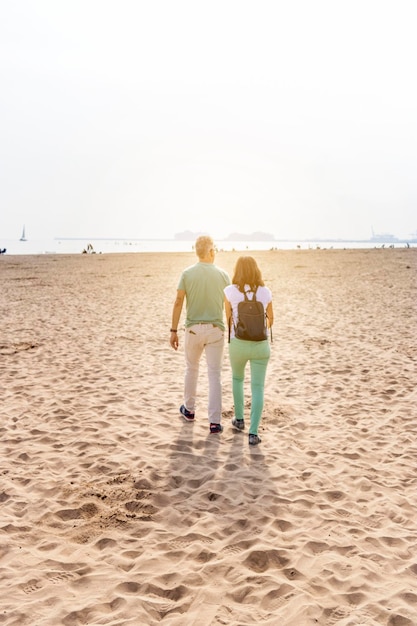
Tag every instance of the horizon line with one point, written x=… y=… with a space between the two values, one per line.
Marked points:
x=376 y=239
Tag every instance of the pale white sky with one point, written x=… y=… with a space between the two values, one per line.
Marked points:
x=144 y=118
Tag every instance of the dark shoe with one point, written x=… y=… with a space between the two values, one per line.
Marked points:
x=238 y=424
x=216 y=428
x=187 y=415
x=254 y=440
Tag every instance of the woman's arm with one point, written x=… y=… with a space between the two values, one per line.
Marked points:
x=270 y=314
x=228 y=310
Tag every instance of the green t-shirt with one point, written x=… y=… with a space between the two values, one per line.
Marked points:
x=203 y=284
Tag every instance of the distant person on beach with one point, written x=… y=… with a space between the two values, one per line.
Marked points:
x=247 y=279
x=202 y=286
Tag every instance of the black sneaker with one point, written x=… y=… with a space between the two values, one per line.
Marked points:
x=187 y=415
x=254 y=440
x=216 y=428
x=238 y=424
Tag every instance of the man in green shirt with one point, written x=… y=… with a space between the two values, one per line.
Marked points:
x=202 y=286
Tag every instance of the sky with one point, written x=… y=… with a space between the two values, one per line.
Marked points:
x=146 y=118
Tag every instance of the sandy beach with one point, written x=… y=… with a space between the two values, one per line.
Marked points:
x=116 y=512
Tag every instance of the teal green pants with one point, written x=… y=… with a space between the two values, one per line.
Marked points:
x=257 y=353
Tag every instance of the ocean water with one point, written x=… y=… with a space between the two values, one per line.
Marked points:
x=76 y=246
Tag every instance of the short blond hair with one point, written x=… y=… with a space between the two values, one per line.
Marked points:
x=203 y=245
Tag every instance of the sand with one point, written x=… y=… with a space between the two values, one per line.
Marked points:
x=114 y=511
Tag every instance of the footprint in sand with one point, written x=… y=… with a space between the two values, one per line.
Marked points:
x=59 y=577
x=13 y=348
x=184 y=542
x=277 y=597
x=31 y=586
x=333 y=616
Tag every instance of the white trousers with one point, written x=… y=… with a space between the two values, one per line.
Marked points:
x=210 y=340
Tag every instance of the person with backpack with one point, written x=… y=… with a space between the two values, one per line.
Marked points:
x=202 y=285
x=249 y=313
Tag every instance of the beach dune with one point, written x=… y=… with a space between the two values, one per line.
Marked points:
x=115 y=512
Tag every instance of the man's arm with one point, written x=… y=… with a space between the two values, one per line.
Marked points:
x=175 y=320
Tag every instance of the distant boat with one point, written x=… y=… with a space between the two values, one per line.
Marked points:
x=383 y=237
x=23 y=237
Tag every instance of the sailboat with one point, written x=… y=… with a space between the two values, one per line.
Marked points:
x=23 y=237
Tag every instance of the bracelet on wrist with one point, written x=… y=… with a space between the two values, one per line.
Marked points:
x=173 y=330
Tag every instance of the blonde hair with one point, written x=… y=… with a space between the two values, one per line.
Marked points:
x=203 y=245
x=247 y=272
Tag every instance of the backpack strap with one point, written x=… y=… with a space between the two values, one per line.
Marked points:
x=231 y=320
x=253 y=299
x=270 y=328
x=266 y=314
